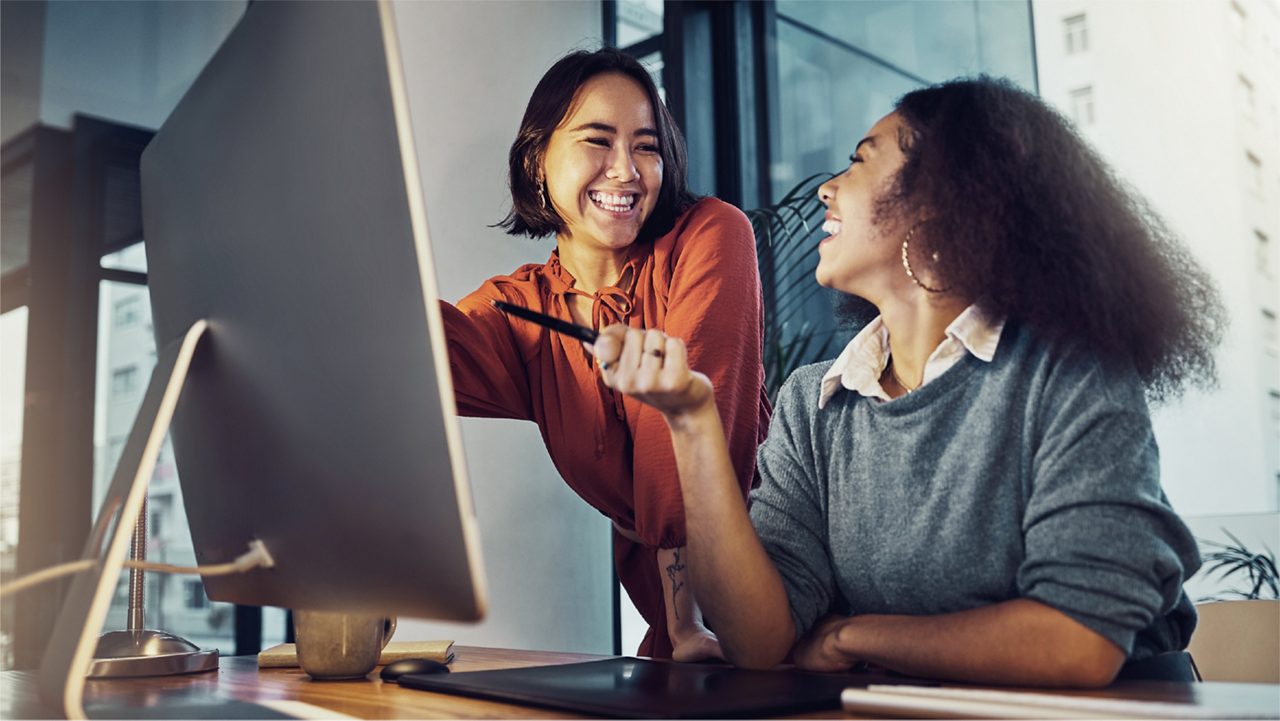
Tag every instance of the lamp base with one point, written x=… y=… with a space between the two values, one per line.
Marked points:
x=123 y=654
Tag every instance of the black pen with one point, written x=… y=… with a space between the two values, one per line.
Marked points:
x=573 y=330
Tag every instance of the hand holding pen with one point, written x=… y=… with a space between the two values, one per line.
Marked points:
x=648 y=365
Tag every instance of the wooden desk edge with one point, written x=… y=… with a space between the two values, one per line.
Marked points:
x=239 y=678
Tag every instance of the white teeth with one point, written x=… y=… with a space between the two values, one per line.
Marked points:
x=831 y=227
x=616 y=202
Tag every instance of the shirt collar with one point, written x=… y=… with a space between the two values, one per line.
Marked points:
x=978 y=331
x=859 y=366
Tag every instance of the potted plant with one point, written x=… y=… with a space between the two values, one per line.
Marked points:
x=1237 y=637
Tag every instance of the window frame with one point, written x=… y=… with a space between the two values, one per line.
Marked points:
x=1075 y=30
x=60 y=285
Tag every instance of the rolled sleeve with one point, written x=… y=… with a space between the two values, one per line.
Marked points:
x=1102 y=543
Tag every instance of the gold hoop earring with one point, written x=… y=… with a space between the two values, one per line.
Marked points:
x=906 y=264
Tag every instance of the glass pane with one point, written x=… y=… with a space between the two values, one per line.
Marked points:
x=1005 y=44
x=638 y=20
x=13 y=366
x=829 y=96
x=131 y=258
x=126 y=357
x=930 y=40
x=273 y=625
x=654 y=64
x=15 y=216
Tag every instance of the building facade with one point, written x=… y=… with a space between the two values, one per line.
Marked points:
x=1181 y=97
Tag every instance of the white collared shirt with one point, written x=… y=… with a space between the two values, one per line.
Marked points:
x=859 y=366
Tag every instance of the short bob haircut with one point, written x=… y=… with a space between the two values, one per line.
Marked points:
x=1024 y=215
x=546 y=111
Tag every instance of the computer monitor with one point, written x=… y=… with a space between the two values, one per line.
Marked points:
x=282 y=207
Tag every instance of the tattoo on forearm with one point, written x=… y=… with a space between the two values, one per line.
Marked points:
x=674 y=569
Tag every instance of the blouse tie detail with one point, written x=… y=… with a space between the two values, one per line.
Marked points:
x=612 y=305
x=609 y=304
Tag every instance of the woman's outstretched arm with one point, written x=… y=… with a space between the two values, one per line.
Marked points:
x=734 y=581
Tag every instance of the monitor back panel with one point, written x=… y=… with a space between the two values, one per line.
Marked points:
x=281 y=203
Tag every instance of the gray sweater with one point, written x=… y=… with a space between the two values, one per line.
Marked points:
x=1033 y=476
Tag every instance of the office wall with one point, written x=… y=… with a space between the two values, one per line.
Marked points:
x=470 y=68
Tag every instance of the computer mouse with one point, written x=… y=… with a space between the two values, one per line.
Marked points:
x=394 y=670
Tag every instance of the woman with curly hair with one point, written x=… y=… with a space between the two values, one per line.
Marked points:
x=971 y=490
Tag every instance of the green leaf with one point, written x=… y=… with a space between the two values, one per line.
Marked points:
x=787 y=255
x=1235 y=558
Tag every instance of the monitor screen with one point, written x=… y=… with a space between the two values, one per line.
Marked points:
x=282 y=205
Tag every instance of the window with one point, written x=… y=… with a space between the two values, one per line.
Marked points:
x=1082 y=105
x=1077 y=34
x=1263 y=253
x=115 y=449
x=97 y=74
x=13 y=362
x=126 y=312
x=636 y=27
x=1254 y=169
x=156 y=524
x=124 y=381
x=193 y=595
x=1245 y=90
x=638 y=20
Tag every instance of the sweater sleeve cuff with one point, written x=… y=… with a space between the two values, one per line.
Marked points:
x=1071 y=601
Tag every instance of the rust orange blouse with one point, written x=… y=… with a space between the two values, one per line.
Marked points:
x=699 y=282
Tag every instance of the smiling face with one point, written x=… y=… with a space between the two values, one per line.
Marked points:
x=602 y=166
x=861 y=256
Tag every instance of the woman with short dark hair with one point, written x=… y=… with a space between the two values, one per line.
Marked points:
x=599 y=163
x=971 y=490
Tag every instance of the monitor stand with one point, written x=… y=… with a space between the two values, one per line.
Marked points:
x=70 y=654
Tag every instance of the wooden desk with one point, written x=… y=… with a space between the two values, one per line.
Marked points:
x=240 y=678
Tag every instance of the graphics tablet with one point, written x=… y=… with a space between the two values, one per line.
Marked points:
x=643 y=688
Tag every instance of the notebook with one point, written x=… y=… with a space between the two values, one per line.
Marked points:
x=644 y=688
x=286 y=654
x=916 y=702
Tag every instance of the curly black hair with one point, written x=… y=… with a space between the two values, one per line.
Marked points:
x=1024 y=214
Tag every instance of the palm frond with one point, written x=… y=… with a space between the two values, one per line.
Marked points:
x=1235 y=558
x=787 y=253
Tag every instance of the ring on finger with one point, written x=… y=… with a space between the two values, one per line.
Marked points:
x=655 y=352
